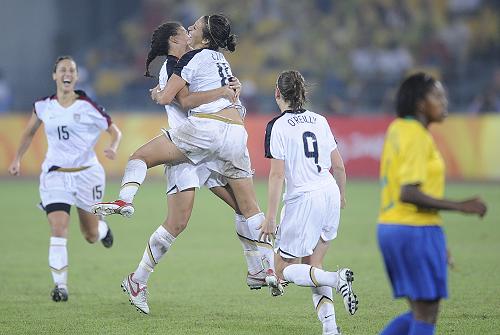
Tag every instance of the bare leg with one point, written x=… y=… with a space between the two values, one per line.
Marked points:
x=88 y=225
x=425 y=311
x=159 y=150
x=244 y=193
x=180 y=207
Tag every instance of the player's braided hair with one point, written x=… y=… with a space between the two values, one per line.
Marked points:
x=218 y=31
x=413 y=90
x=292 y=87
x=61 y=58
x=159 y=42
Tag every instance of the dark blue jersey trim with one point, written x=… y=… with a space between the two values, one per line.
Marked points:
x=185 y=60
x=267 y=140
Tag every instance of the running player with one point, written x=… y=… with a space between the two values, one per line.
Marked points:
x=213 y=134
x=71 y=173
x=412 y=176
x=302 y=150
x=172 y=40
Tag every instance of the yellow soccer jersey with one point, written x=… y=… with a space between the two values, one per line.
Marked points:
x=409 y=157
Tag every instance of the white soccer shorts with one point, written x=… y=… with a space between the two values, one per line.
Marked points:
x=83 y=188
x=306 y=219
x=223 y=145
x=184 y=176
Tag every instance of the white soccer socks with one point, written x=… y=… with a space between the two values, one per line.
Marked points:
x=158 y=245
x=102 y=229
x=250 y=249
x=58 y=261
x=323 y=303
x=306 y=275
x=135 y=173
x=265 y=248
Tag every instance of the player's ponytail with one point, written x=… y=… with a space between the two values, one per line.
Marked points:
x=217 y=31
x=231 y=43
x=160 y=42
x=292 y=87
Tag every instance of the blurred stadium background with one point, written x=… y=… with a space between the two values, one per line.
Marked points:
x=354 y=54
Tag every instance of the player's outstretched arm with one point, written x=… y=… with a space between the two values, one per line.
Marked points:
x=413 y=195
x=33 y=124
x=338 y=171
x=116 y=136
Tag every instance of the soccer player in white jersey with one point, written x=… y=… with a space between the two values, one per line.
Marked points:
x=71 y=173
x=302 y=150
x=171 y=40
x=213 y=133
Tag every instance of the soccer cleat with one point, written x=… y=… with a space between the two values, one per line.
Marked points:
x=138 y=296
x=274 y=283
x=107 y=241
x=256 y=281
x=116 y=207
x=59 y=294
x=344 y=287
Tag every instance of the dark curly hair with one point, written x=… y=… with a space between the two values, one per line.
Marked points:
x=217 y=31
x=413 y=90
x=159 y=42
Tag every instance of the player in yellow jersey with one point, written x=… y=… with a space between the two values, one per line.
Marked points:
x=410 y=236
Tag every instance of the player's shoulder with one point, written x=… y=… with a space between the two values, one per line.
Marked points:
x=275 y=122
x=83 y=97
x=45 y=99
x=191 y=56
x=40 y=104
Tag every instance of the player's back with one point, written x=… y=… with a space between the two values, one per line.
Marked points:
x=204 y=70
x=302 y=139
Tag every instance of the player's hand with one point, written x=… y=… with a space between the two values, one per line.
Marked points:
x=473 y=206
x=228 y=93
x=267 y=231
x=342 y=202
x=110 y=153
x=15 y=168
x=235 y=85
x=154 y=93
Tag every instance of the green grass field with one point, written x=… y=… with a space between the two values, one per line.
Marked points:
x=199 y=287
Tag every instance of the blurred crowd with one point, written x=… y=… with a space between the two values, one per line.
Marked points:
x=354 y=53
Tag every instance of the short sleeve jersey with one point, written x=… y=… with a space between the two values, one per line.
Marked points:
x=203 y=70
x=71 y=132
x=304 y=140
x=175 y=113
x=409 y=157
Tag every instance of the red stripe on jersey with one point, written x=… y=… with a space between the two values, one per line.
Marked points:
x=83 y=96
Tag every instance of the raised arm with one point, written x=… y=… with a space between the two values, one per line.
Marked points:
x=116 y=136
x=31 y=128
x=338 y=172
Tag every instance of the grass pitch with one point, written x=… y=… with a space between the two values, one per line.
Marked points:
x=199 y=287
